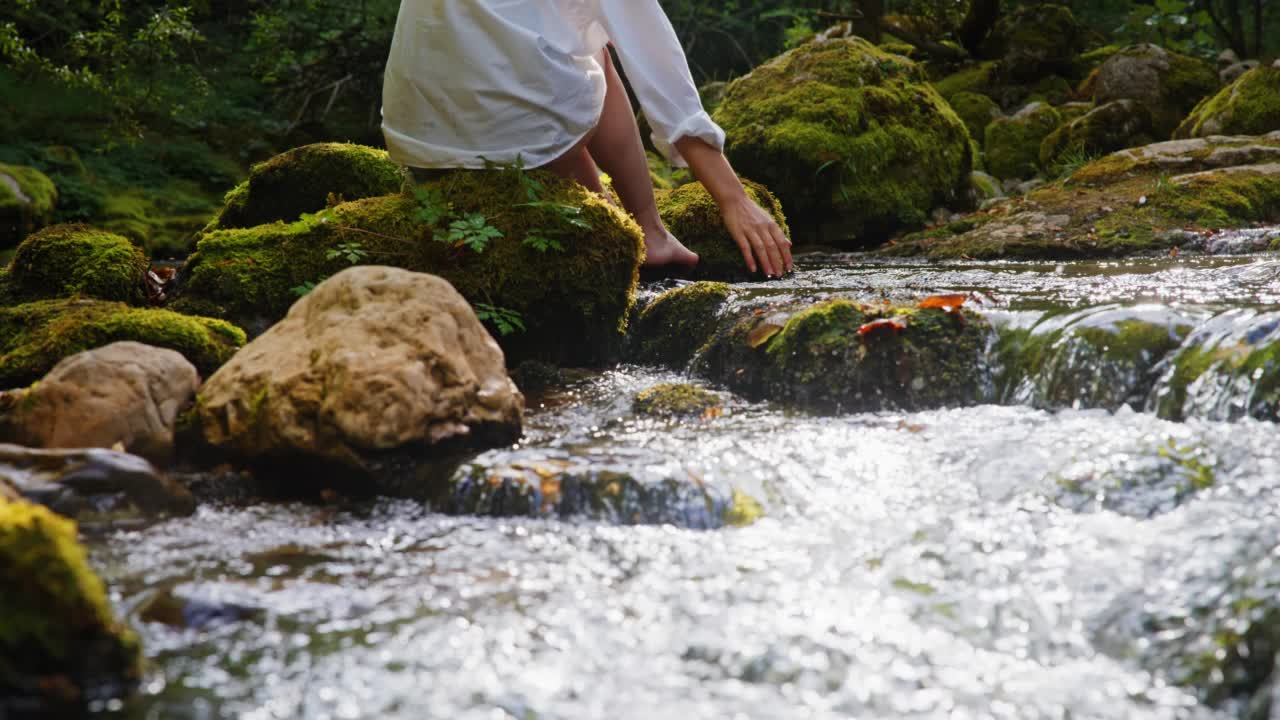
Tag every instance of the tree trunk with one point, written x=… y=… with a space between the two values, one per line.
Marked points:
x=978 y=22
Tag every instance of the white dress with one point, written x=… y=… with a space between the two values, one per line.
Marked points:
x=475 y=80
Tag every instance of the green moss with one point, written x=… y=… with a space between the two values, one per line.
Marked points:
x=691 y=214
x=1087 y=63
x=977 y=111
x=979 y=79
x=1167 y=84
x=1123 y=204
x=743 y=510
x=1036 y=40
x=27 y=201
x=55 y=619
x=1105 y=129
x=66 y=260
x=1248 y=106
x=851 y=138
x=574 y=302
x=821 y=359
x=35 y=336
x=303 y=180
x=1013 y=143
x=675 y=399
x=671 y=328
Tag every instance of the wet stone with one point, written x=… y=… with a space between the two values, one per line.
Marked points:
x=640 y=489
x=95 y=487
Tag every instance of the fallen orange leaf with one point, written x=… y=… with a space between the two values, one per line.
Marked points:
x=889 y=325
x=944 y=302
x=761 y=334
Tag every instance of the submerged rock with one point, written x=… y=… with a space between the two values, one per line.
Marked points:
x=691 y=214
x=66 y=260
x=1167 y=84
x=1248 y=106
x=36 y=336
x=1228 y=368
x=306 y=180
x=624 y=491
x=853 y=139
x=571 y=297
x=831 y=356
x=124 y=393
x=672 y=327
x=841 y=356
x=375 y=361
x=101 y=487
x=675 y=399
x=27 y=201
x=1099 y=357
x=1135 y=201
x=1013 y=143
x=60 y=643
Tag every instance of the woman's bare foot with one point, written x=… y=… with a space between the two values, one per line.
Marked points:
x=661 y=248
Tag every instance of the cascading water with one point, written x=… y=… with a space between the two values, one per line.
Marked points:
x=1095 y=540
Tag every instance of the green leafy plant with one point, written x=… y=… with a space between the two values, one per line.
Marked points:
x=302 y=289
x=505 y=320
x=472 y=231
x=352 y=251
x=432 y=209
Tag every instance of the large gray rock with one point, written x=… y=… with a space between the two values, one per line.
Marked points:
x=375 y=360
x=124 y=394
x=1167 y=84
x=93 y=486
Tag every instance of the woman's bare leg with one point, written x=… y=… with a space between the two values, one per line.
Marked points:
x=616 y=147
x=576 y=164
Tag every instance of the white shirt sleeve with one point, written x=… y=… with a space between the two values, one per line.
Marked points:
x=659 y=73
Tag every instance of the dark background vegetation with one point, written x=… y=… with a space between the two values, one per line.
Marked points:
x=144 y=112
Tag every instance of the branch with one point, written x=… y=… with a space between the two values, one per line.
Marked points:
x=936 y=49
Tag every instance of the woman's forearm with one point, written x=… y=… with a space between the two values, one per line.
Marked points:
x=712 y=169
x=763 y=245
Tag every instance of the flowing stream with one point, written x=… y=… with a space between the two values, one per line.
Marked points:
x=1039 y=556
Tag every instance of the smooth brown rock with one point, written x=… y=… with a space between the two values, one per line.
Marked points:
x=125 y=394
x=373 y=360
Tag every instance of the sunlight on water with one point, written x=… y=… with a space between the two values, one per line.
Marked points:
x=984 y=562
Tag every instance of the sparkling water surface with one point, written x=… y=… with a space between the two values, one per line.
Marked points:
x=982 y=562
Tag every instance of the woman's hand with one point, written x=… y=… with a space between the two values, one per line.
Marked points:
x=763 y=244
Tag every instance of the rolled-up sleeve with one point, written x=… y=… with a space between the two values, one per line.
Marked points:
x=659 y=73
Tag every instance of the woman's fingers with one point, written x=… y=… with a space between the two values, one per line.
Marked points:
x=763 y=256
x=744 y=246
x=784 y=247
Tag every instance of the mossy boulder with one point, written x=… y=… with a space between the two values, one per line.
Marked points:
x=27 y=201
x=572 y=299
x=1036 y=40
x=35 y=336
x=982 y=78
x=1248 y=106
x=843 y=356
x=1013 y=143
x=1167 y=84
x=1105 y=129
x=675 y=399
x=1098 y=357
x=671 y=328
x=61 y=645
x=1141 y=200
x=305 y=180
x=692 y=215
x=977 y=111
x=853 y=139
x=66 y=260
